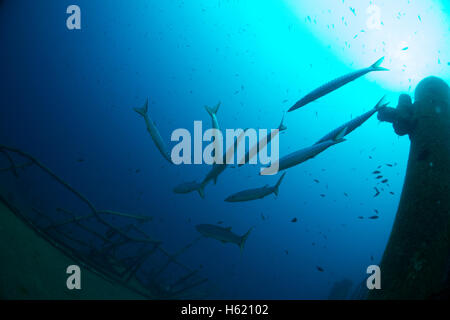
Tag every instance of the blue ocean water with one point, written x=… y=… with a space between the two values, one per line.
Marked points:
x=67 y=98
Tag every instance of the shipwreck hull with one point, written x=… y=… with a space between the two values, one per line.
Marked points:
x=415 y=263
x=33 y=268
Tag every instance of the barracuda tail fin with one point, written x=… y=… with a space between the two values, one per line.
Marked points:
x=376 y=65
x=201 y=192
x=381 y=103
x=212 y=111
x=282 y=127
x=244 y=239
x=340 y=136
x=142 y=111
x=277 y=186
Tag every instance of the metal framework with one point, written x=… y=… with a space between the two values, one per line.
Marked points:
x=111 y=244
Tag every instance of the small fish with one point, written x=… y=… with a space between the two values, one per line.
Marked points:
x=285 y=251
x=379 y=177
x=319 y=268
x=405 y=48
x=360 y=217
x=371 y=258
x=391 y=192
x=345 y=194
x=374 y=217
x=316 y=181
x=389 y=165
x=322 y=195
x=262 y=217
x=376 y=211
x=376 y=172
x=377 y=192
x=219 y=222
x=384 y=181
x=294 y=220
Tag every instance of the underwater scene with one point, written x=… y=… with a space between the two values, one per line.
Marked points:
x=224 y=149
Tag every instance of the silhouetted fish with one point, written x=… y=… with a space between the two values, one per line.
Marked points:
x=336 y=84
x=377 y=192
x=355 y=123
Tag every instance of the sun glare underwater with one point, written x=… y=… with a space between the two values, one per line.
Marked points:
x=68 y=99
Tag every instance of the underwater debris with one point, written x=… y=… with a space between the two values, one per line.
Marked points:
x=119 y=252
